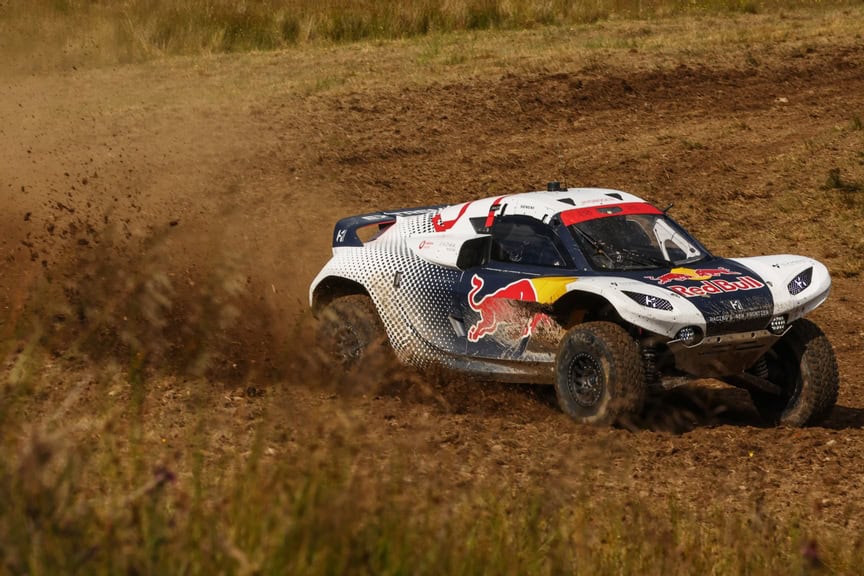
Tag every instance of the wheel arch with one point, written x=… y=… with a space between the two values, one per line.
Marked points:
x=333 y=287
x=578 y=306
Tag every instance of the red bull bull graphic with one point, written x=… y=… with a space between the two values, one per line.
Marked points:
x=687 y=274
x=497 y=308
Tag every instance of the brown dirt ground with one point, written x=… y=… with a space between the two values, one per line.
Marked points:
x=243 y=164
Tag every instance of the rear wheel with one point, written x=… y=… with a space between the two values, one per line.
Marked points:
x=803 y=365
x=599 y=376
x=350 y=332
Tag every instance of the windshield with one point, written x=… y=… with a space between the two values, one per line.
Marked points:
x=634 y=242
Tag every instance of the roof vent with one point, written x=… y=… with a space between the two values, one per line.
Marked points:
x=614 y=195
x=553 y=186
x=567 y=201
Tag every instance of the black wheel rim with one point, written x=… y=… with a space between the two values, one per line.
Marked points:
x=347 y=344
x=585 y=380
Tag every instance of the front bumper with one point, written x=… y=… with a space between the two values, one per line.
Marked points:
x=722 y=355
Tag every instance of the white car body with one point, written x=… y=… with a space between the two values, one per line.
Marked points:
x=453 y=288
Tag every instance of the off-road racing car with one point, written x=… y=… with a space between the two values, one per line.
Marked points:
x=593 y=290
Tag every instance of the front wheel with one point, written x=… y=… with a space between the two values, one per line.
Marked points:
x=599 y=376
x=803 y=365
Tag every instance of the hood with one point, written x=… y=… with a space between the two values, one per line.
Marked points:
x=731 y=296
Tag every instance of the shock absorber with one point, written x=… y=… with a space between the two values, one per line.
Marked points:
x=649 y=364
x=760 y=369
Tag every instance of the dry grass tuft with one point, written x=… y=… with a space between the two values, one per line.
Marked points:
x=92 y=487
x=66 y=32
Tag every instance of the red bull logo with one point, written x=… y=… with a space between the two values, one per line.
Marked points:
x=709 y=282
x=709 y=287
x=501 y=307
x=691 y=274
x=495 y=308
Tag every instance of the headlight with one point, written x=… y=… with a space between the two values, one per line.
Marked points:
x=690 y=335
x=800 y=282
x=650 y=301
x=778 y=324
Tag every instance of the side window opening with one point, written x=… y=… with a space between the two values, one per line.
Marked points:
x=674 y=251
x=675 y=248
x=522 y=240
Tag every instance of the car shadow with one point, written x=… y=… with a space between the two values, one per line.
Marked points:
x=677 y=411
x=689 y=407
x=845 y=417
x=686 y=408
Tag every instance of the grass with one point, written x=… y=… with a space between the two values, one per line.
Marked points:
x=76 y=31
x=252 y=483
x=92 y=488
x=255 y=480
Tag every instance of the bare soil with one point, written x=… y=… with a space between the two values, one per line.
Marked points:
x=219 y=179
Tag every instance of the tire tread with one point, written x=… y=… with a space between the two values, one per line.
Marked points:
x=819 y=387
x=627 y=381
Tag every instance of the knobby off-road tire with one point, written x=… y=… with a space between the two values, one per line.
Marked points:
x=803 y=364
x=350 y=333
x=599 y=375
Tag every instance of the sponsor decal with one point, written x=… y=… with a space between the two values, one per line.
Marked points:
x=413 y=212
x=424 y=244
x=737 y=316
x=696 y=274
x=716 y=286
x=708 y=282
x=496 y=205
x=496 y=308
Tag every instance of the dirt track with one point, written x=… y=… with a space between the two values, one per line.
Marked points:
x=192 y=167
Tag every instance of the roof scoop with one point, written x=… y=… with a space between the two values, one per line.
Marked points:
x=554 y=186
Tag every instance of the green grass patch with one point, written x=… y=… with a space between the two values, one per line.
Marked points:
x=140 y=29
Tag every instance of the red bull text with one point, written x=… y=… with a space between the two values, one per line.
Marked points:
x=709 y=285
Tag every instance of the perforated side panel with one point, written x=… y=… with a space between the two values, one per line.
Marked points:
x=413 y=296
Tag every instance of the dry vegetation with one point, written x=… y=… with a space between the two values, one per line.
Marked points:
x=160 y=408
x=50 y=33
